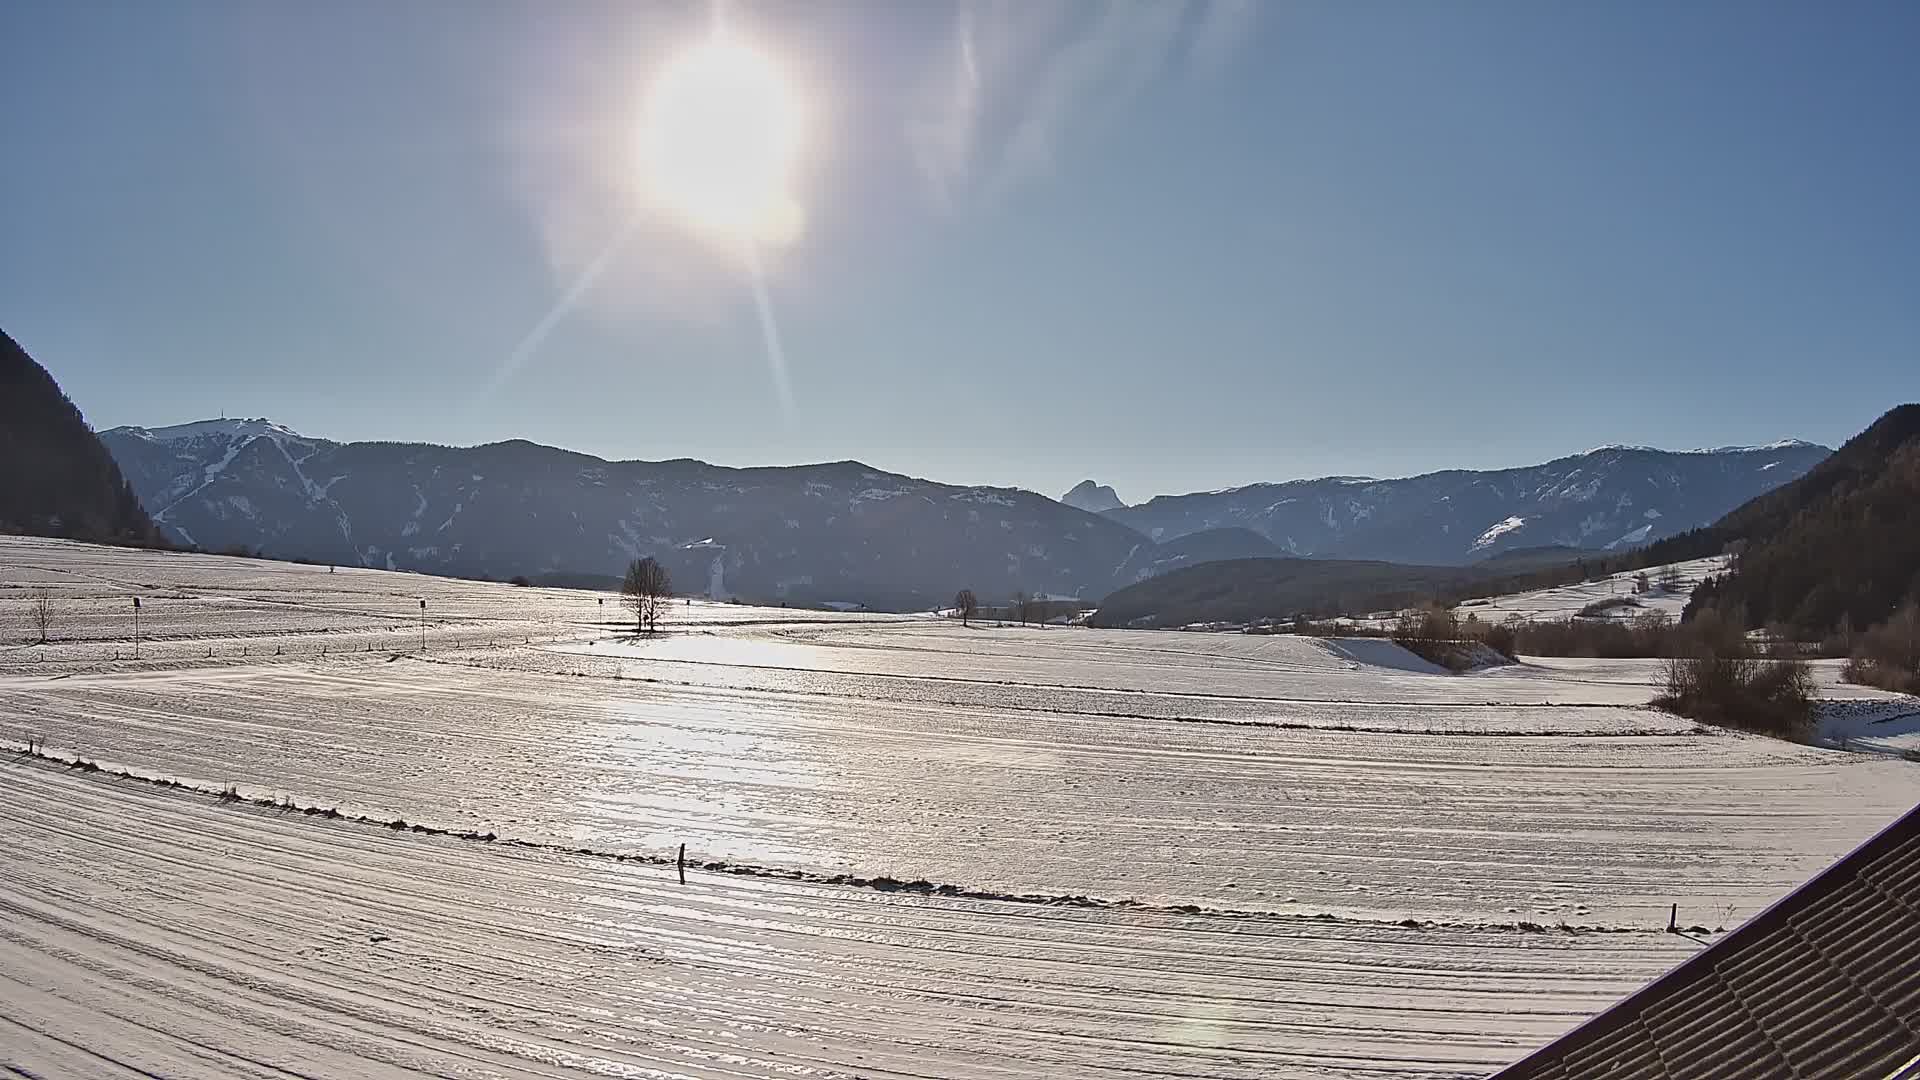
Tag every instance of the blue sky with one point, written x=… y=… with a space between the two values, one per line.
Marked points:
x=1169 y=246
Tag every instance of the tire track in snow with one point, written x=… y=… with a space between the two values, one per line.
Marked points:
x=1575 y=829
x=287 y=805
x=264 y=940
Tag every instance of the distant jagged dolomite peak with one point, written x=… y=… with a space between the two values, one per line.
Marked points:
x=1093 y=498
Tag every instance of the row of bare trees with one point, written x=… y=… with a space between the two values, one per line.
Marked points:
x=1022 y=607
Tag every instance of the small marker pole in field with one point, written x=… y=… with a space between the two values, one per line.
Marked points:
x=423 y=624
x=136 y=628
x=1673 y=920
x=683 y=864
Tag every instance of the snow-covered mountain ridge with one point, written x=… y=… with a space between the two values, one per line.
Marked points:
x=836 y=532
x=847 y=532
x=1610 y=497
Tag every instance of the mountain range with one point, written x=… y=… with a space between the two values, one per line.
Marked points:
x=809 y=534
x=1828 y=553
x=1609 y=498
x=848 y=533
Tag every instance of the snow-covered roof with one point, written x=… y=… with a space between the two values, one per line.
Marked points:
x=1819 y=984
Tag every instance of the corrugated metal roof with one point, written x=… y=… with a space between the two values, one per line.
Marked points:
x=1824 y=984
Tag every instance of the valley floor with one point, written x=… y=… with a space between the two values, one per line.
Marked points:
x=916 y=849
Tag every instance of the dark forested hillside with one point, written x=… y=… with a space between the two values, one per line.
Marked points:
x=56 y=479
x=1243 y=590
x=1181 y=552
x=1837 y=548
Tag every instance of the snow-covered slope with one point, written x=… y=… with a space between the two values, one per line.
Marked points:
x=1611 y=497
x=223 y=428
x=1613 y=597
x=181 y=474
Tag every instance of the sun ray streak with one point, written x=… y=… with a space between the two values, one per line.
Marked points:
x=538 y=335
x=770 y=332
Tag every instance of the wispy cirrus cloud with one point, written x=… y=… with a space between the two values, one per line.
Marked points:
x=1015 y=86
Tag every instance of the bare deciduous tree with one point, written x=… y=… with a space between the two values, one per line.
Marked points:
x=1019 y=606
x=646 y=589
x=966 y=604
x=40 y=613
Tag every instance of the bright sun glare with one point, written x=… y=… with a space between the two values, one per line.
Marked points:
x=720 y=138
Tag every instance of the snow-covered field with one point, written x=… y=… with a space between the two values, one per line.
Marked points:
x=916 y=849
x=1567 y=601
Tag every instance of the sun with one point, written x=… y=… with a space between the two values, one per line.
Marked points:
x=720 y=138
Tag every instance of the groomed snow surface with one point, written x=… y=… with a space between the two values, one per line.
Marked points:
x=916 y=849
